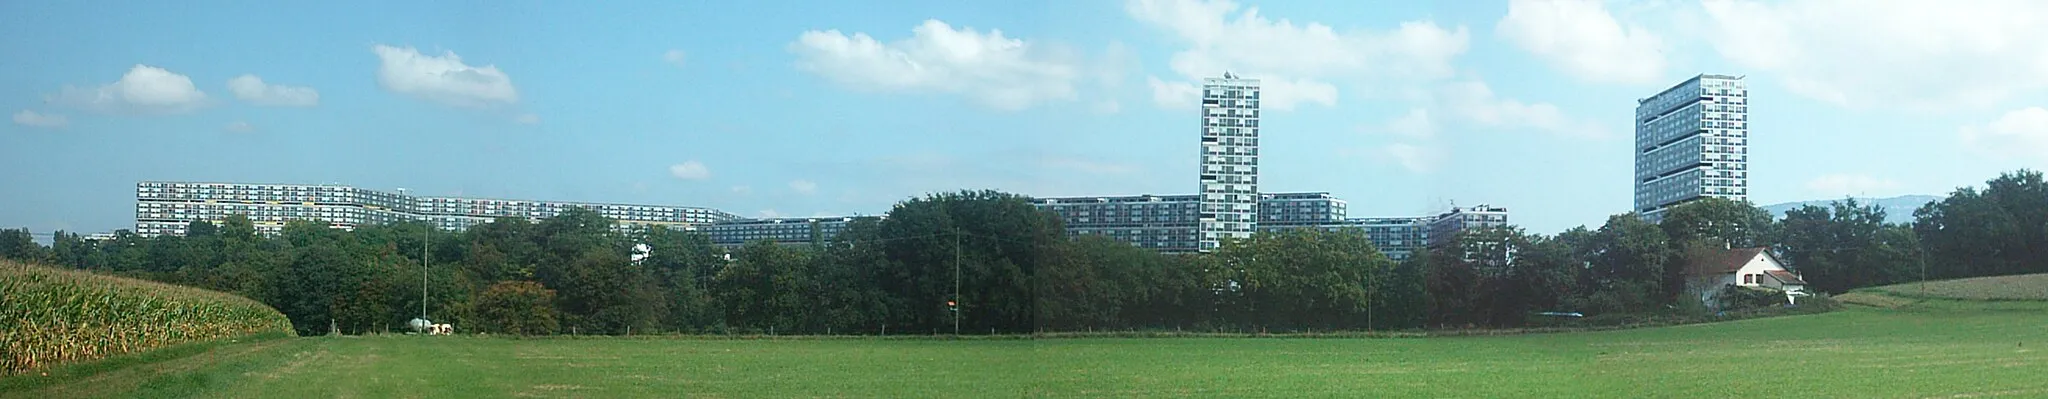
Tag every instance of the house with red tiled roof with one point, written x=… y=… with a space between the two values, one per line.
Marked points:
x=1743 y=267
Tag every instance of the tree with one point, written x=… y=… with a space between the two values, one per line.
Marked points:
x=69 y=250
x=19 y=244
x=601 y=292
x=1080 y=288
x=1546 y=274
x=768 y=288
x=1739 y=224
x=848 y=273
x=986 y=243
x=517 y=307
x=316 y=286
x=1400 y=299
x=1300 y=278
x=1999 y=230
x=201 y=229
x=1631 y=267
x=683 y=264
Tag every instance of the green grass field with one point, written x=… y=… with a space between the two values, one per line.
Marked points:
x=1930 y=348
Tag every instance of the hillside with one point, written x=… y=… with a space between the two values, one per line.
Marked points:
x=1896 y=209
x=2024 y=287
x=58 y=316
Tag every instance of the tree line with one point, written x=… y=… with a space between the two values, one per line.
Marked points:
x=991 y=262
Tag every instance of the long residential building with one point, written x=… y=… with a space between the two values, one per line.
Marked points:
x=1692 y=141
x=785 y=231
x=1166 y=223
x=163 y=207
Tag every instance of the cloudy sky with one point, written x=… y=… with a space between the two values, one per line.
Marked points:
x=769 y=108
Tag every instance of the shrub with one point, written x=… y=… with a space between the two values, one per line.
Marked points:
x=54 y=316
x=1735 y=298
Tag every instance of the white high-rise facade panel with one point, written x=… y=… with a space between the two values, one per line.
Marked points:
x=1692 y=141
x=1230 y=160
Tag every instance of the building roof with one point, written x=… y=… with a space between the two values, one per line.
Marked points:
x=1726 y=260
x=1786 y=277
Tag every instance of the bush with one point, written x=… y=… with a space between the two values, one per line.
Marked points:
x=517 y=307
x=55 y=316
x=1735 y=298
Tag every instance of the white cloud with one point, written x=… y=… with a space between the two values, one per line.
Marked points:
x=2021 y=132
x=1173 y=94
x=673 y=57
x=143 y=90
x=527 y=119
x=31 y=118
x=1295 y=63
x=239 y=127
x=1416 y=123
x=742 y=190
x=1582 y=39
x=1881 y=53
x=1416 y=158
x=997 y=71
x=1474 y=102
x=444 y=79
x=1850 y=184
x=691 y=170
x=252 y=89
x=805 y=187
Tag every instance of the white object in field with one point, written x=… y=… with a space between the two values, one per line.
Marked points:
x=420 y=324
x=442 y=329
x=641 y=252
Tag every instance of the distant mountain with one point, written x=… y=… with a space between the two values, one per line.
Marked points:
x=1896 y=209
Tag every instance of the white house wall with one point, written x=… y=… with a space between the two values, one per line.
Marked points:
x=1757 y=266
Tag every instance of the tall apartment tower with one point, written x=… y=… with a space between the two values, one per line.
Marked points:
x=1230 y=160
x=1692 y=141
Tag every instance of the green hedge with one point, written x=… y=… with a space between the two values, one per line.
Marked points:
x=50 y=316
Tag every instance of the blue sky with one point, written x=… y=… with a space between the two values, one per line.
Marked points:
x=829 y=108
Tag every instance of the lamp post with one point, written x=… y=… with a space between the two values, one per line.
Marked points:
x=955 y=303
x=425 y=238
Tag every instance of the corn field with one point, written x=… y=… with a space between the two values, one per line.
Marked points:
x=50 y=316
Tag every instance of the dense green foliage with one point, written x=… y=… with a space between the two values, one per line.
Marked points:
x=1999 y=230
x=50 y=316
x=989 y=262
x=1929 y=350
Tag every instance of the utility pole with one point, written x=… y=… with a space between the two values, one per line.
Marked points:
x=956 y=281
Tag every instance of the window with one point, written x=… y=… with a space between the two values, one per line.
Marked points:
x=1749 y=279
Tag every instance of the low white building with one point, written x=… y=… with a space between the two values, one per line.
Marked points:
x=1744 y=267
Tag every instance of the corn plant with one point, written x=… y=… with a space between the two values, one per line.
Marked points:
x=50 y=316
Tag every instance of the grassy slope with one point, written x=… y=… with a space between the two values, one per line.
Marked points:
x=1931 y=348
x=2024 y=287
